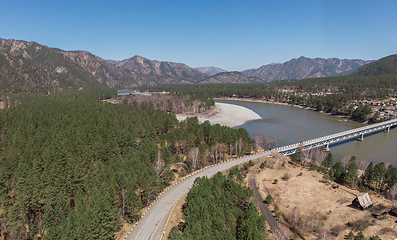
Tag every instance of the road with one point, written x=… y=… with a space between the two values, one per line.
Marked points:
x=152 y=224
x=265 y=210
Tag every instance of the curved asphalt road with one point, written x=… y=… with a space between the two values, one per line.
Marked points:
x=152 y=224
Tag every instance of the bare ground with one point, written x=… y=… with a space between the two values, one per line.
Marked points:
x=321 y=208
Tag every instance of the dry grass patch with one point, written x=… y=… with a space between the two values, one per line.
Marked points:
x=314 y=207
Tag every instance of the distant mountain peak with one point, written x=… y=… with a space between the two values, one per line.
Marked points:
x=230 y=77
x=303 y=67
x=169 y=72
x=210 y=70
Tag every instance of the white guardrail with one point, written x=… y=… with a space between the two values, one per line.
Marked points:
x=164 y=191
x=276 y=149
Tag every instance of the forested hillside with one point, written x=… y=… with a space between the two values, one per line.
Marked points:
x=169 y=72
x=73 y=167
x=220 y=208
x=377 y=80
x=31 y=67
x=176 y=104
x=384 y=66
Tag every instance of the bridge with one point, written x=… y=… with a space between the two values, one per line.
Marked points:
x=152 y=224
x=337 y=137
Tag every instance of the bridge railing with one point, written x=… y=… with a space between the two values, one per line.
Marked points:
x=333 y=138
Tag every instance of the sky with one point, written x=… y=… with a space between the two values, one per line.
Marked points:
x=232 y=35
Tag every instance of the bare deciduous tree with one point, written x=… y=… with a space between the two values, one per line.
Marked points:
x=323 y=235
x=183 y=165
x=393 y=193
x=313 y=219
x=257 y=142
x=221 y=150
x=159 y=166
x=362 y=164
x=123 y=193
x=240 y=145
x=270 y=144
x=303 y=154
x=138 y=141
x=214 y=153
x=193 y=157
x=169 y=103
x=148 y=197
x=265 y=141
x=387 y=164
x=295 y=217
x=303 y=224
x=231 y=148
x=345 y=161
x=319 y=156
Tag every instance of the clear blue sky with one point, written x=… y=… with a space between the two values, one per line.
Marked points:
x=233 y=35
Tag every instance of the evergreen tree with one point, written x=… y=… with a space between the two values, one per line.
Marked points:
x=252 y=225
x=368 y=175
x=379 y=174
x=328 y=161
x=351 y=175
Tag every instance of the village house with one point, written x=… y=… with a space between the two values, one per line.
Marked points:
x=362 y=202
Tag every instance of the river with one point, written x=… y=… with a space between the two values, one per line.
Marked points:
x=289 y=125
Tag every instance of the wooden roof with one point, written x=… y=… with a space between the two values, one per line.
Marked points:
x=364 y=200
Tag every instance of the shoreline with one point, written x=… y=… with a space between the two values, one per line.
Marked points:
x=232 y=115
x=227 y=114
x=291 y=105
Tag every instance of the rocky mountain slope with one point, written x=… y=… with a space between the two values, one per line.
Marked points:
x=169 y=72
x=31 y=67
x=230 y=77
x=210 y=70
x=300 y=68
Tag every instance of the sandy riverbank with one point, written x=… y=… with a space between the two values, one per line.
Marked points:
x=227 y=114
x=291 y=105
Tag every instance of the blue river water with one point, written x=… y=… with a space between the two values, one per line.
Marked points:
x=288 y=124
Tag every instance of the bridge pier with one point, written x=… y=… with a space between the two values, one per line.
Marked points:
x=326 y=148
x=361 y=137
x=387 y=129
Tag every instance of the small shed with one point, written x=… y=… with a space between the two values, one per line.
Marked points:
x=377 y=213
x=362 y=202
x=393 y=212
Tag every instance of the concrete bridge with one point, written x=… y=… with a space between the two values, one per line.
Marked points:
x=337 y=137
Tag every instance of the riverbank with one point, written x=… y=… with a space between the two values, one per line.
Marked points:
x=291 y=105
x=225 y=114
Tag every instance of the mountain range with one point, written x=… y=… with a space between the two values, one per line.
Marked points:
x=300 y=68
x=210 y=70
x=230 y=77
x=170 y=72
x=31 y=67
